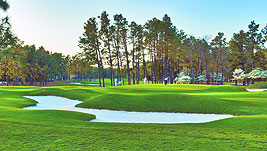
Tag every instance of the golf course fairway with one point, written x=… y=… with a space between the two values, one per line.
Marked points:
x=22 y=129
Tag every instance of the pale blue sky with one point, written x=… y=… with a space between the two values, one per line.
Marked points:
x=57 y=24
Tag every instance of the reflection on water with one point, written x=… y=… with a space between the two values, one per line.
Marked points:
x=59 y=103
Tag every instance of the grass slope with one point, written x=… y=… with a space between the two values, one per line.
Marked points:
x=64 y=130
x=258 y=85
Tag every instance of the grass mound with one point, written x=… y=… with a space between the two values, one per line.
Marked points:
x=258 y=85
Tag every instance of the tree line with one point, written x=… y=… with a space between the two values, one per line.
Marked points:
x=121 y=50
x=27 y=65
x=158 y=50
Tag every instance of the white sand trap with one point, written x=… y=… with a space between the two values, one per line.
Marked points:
x=111 y=116
x=84 y=84
x=256 y=90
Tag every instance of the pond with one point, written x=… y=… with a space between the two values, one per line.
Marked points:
x=112 y=116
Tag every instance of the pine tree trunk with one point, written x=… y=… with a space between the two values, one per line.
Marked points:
x=166 y=57
x=98 y=69
x=152 y=67
x=162 y=69
x=127 y=60
x=138 y=70
x=159 y=68
x=102 y=69
x=199 y=66
x=165 y=67
x=123 y=79
x=217 y=70
x=156 y=68
x=191 y=62
x=244 y=82
x=178 y=66
x=171 y=73
x=207 y=73
x=222 y=72
x=133 y=62
x=122 y=74
x=157 y=65
x=118 y=63
x=103 y=77
x=111 y=65
x=144 y=62
x=17 y=75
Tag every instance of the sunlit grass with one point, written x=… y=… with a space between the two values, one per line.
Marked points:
x=64 y=130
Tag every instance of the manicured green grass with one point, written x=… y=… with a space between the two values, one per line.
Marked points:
x=258 y=85
x=65 y=130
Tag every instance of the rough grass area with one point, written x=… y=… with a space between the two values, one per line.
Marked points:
x=258 y=85
x=65 y=130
